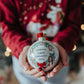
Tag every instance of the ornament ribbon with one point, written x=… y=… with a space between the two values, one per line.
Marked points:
x=42 y=65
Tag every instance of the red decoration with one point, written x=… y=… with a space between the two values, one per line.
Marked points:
x=42 y=65
x=39 y=35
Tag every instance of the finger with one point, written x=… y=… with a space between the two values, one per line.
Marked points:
x=58 y=67
x=43 y=78
x=32 y=72
x=23 y=59
x=64 y=57
x=55 y=70
x=40 y=74
x=25 y=49
x=63 y=53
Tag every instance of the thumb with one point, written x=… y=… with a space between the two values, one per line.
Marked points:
x=23 y=59
x=64 y=58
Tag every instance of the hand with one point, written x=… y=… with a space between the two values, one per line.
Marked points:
x=26 y=67
x=62 y=61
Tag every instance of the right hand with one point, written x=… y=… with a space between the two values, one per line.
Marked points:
x=26 y=67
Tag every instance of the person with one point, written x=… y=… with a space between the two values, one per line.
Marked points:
x=50 y=60
x=21 y=20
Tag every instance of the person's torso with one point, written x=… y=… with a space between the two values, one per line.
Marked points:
x=41 y=16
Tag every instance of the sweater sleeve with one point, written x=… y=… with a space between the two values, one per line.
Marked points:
x=70 y=30
x=13 y=35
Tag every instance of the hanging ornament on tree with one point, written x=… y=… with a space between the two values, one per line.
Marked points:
x=43 y=54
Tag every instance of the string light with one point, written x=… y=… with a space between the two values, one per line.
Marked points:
x=74 y=48
x=82 y=3
x=8 y=49
x=7 y=52
x=82 y=27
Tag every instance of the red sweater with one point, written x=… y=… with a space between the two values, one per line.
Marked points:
x=15 y=36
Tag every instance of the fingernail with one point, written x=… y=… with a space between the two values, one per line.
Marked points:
x=54 y=70
x=25 y=68
x=52 y=74
x=48 y=76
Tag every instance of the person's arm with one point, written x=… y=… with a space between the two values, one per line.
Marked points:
x=67 y=37
x=70 y=29
x=12 y=35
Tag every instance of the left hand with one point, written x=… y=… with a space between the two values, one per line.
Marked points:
x=62 y=61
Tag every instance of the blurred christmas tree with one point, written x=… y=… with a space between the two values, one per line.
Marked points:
x=4 y=60
x=79 y=46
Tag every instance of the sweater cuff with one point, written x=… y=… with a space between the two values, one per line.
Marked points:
x=66 y=44
x=19 y=48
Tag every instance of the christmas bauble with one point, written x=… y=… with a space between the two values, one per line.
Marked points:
x=43 y=54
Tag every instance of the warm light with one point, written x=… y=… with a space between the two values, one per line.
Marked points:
x=7 y=54
x=74 y=48
x=82 y=27
x=8 y=49
x=82 y=3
